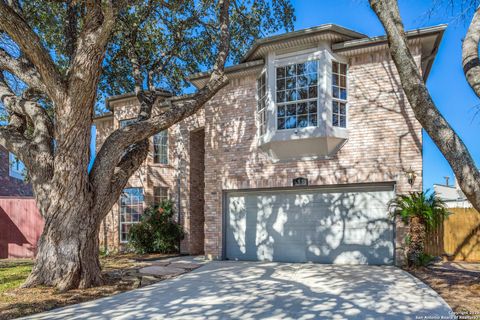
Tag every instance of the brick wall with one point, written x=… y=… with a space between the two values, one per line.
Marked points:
x=10 y=186
x=197 y=190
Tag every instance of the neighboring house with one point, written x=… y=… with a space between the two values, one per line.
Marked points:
x=12 y=176
x=294 y=160
x=452 y=195
x=20 y=220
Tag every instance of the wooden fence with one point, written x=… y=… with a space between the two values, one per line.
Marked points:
x=20 y=227
x=458 y=237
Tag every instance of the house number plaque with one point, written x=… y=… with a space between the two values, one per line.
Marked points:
x=300 y=181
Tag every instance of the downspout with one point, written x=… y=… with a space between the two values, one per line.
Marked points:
x=178 y=201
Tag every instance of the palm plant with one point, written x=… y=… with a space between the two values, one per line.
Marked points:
x=422 y=212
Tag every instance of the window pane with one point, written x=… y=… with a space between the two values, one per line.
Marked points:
x=335 y=107
x=311 y=66
x=335 y=120
x=281 y=84
x=281 y=123
x=281 y=96
x=302 y=94
x=302 y=81
x=290 y=71
x=281 y=111
x=291 y=123
x=312 y=120
x=302 y=108
x=300 y=69
x=312 y=79
x=160 y=147
x=312 y=107
x=291 y=83
x=302 y=121
x=343 y=121
x=291 y=109
x=335 y=66
x=280 y=72
x=291 y=95
x=312 y=92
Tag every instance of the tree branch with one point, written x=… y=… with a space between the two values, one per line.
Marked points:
x=470 y=60
x=23 y=69
x=115 y=145
x=446 y=139
x=32 y=47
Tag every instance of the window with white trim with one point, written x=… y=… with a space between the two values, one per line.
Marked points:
x=160 y=147
x=16 y=168
x=261 y=103
x=131 y=208
x=160 y=194
x=296 y=95
x=339 y=94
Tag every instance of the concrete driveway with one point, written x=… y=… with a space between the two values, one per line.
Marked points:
x=251 y=290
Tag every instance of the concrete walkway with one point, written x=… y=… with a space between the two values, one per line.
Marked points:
x=250 y=290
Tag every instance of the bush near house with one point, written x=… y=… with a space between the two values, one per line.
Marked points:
x=421 y=212
x=157 y=231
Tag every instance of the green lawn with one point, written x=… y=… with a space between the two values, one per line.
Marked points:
x=13 y=273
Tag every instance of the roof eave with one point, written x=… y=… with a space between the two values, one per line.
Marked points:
x=438 y=31
x=303 y=32
x=199 y=79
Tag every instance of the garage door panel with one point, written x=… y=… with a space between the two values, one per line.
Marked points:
x=310 y=225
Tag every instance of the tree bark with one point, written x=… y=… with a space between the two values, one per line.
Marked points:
x=425 y=110
x=68 y=250
x=73 y=201
x=415 y=248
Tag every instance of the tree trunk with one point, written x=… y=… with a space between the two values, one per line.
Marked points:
x=68 y=251
x=417 y=234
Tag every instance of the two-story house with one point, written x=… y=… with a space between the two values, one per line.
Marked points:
x=295 y=160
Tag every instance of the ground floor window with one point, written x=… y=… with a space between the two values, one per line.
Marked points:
x=131 y=207
x=159 y=194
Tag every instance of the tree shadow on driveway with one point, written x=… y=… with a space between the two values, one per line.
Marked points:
x=255 y=290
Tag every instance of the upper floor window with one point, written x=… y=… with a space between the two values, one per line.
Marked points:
x=16 y=168
x=296 y=95
x=126 y=122
x=339 y=94
x=261 y=103
x=160 y=147
x=131 y=208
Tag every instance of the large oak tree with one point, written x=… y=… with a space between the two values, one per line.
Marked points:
x=437 y=127
x=67 y=54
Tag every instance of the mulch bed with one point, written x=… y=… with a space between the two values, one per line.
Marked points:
x=457 y=283
x=120 y=272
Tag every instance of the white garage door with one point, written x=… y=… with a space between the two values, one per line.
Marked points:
x=347 y=225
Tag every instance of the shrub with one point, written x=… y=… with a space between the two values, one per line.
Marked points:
x=422 y=212
x=157 y=231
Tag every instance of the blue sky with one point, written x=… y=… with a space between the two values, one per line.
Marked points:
x=446 y=83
